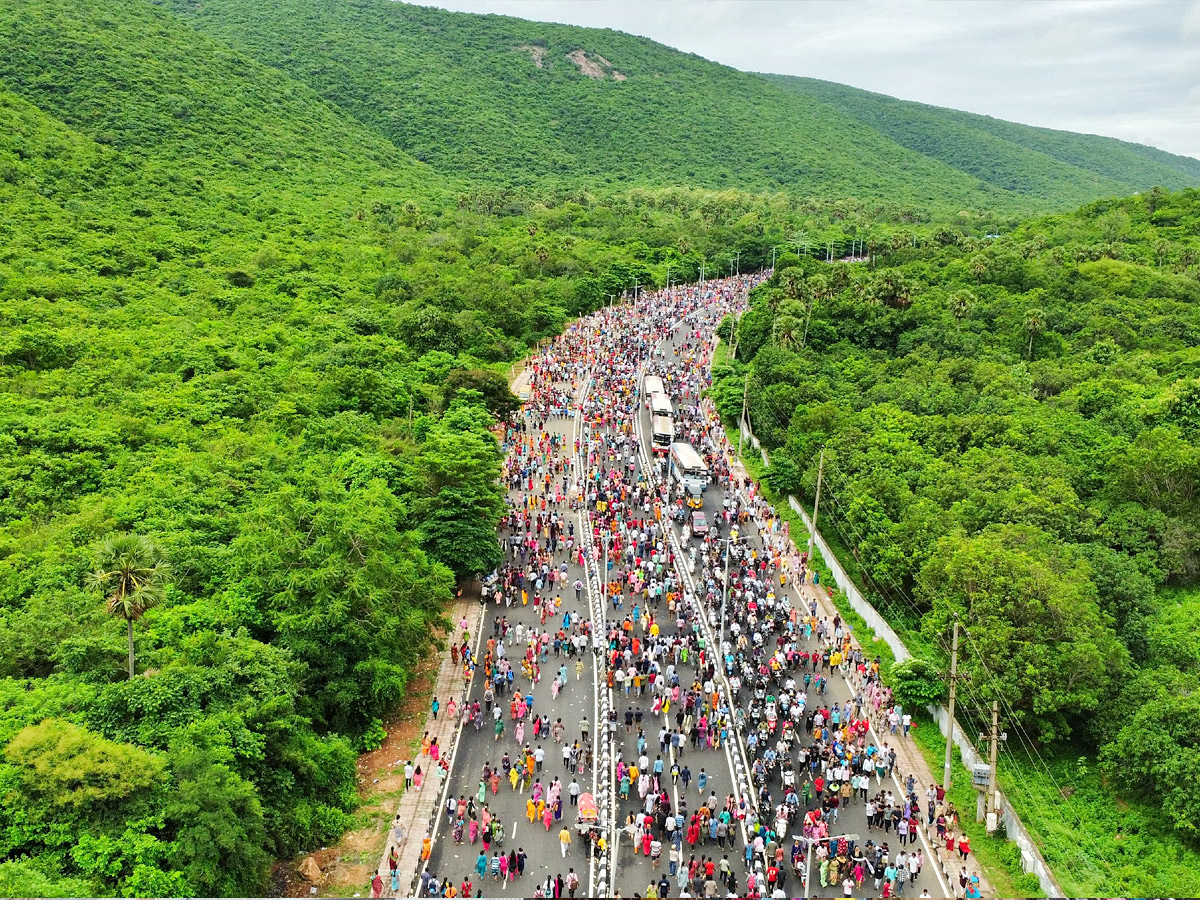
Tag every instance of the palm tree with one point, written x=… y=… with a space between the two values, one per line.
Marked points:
x=1035 y=324
x=863 y=288
x=1162 y=250
x=960 y=305
x=817 y=289
x=132 y=572
x=791 y=280
x=788 y=331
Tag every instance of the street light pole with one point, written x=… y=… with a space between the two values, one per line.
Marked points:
x=946 y=768
x=607 y=538
x=816 y=506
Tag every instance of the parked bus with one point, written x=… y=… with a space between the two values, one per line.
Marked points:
x=652 y=385
x=687 y=468
x=660 y=405
x=662 y=433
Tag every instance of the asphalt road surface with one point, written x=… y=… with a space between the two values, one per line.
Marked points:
x=851 y=819
x=624 y=872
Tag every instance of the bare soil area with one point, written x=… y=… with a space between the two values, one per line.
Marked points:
x=537 y=53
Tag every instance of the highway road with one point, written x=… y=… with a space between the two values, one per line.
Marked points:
x=852 y=818
x=587 y=430
x=621 y=340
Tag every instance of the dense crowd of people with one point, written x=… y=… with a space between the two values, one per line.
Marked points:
x=685 y=693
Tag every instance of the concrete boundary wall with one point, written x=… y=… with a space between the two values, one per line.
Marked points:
x=1031 y=857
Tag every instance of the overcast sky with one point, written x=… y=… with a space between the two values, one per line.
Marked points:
x=1125 y=68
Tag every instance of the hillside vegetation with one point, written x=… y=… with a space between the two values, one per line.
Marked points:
x=510 y=101
x=1011 y=435
x=1038 y=162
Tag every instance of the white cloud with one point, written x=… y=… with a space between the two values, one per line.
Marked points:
x=1125 y=68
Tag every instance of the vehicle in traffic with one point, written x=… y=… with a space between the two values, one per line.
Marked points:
x=660 y=405
x=699 y=524
x=695 y=496
x=687 y=468
x=652 y=385
x=662 y=434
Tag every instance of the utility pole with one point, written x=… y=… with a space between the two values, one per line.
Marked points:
x=635 y=291
x=953 y=689
x=742 y=420
x=702 y=273
x=993 y=749
x=816 y=507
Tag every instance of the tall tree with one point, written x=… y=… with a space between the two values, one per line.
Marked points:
x=133 y=573
x=817 y=289
x=1035 y=324
x=960 y=305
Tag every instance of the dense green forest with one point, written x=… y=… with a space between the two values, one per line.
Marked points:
x=1011 y=435
x=254 y=330
x=1041 y=162
x=501 y=100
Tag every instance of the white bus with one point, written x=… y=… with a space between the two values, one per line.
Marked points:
x=652 y=385
x=660 y=405
x=687 y=467
x=662 y=433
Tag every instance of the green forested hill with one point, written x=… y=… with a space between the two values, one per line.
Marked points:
x=500 y=99
x=1039 y=162
x=131 y=78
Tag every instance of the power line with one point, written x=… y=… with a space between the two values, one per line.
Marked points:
x=1027 y=743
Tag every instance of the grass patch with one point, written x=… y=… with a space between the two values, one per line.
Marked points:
x=1097 y=843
